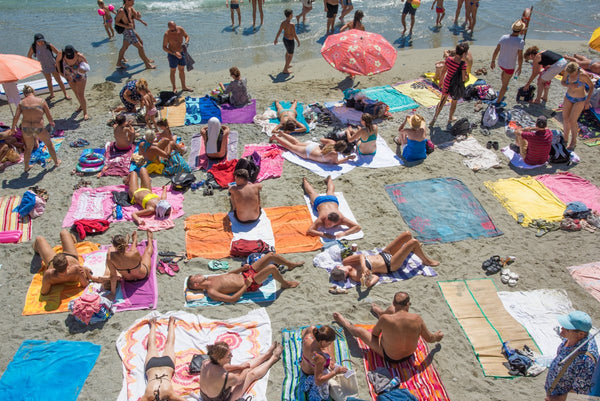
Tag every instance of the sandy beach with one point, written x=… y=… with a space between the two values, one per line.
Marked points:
x=540 y=262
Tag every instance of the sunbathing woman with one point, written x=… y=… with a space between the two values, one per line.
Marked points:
x=585 y=63
x=579 y=92
x=222 y=381
x=317 y=363
x=325 y=152
x=413 y=140
x=142 y=195
x=366 y=136
x=154 y=151
x=360 y=268
x=216 y=138
x=287 y=120
x=160 y=369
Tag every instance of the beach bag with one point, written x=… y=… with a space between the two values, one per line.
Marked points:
x=490 y=116
x=182 y=181
x=249 y=164
x=119 y=28
x=166 y=98
x=485 y=92
x=91 y=308
x=90 y=226
x=456 y=87
x=577 y=210
x=376 y=109
x=471 y=92
x=176 y=164
x=244 y=247
x=343 y=386
x=461 y=128
x=559 y=154
x=196 y=363
x=429 y=147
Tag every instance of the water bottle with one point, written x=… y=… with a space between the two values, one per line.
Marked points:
x=119 y=212
x=395 y=382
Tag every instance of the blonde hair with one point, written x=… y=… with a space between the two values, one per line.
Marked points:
x=571 y=68
x=27 y=90
x=416 y=121
x=149 y=136
x=141 y=84
x=327 y=149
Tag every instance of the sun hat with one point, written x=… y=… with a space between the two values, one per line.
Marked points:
x=518 y=26
x=576 y=320
x=163 y=209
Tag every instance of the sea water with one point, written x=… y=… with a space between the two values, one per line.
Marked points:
x=216 y=46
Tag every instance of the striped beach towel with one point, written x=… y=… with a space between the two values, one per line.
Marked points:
x=9 y=220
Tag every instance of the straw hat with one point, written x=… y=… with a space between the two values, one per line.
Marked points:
x=518 y=26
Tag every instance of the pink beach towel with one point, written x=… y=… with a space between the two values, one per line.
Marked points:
x=570 y=188
x=587 y=276
x=271 y=160
x=117 y=162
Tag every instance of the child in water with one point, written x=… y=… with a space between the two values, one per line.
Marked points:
x=104 y=12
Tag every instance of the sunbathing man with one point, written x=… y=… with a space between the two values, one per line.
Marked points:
x=360 y=268
x=396 y=335
x=64 y=267
x=326 y=207
x=245 y=198
x=229 y=287
x=287 y=120
x=141 y=194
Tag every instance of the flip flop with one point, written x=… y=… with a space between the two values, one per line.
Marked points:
x=170 y=253
x=218 y=265
x=79 y=143
x=336 y=290
x=164 y=268
x=174 y=267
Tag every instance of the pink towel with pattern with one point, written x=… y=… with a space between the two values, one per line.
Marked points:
x=271 y=161
x=570 y=188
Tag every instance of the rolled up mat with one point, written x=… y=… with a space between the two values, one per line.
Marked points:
x=9 y=237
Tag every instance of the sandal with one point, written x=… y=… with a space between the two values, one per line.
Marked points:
x=492 y=265
x=164 y=268
x=170 y=253
x=79 y=143
x=218 y=265
x=336 y=290
x=174 y=267
x=208 y=190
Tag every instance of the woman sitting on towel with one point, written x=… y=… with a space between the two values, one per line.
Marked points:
x=413 y=140
x=366 y=136
x=222 y=381
x=361 y=268
x=164 y=132
x=216 y=137
x=154 y=151
x=317 y=363
x=160 y=369
x=324 y=152
x=237 y=89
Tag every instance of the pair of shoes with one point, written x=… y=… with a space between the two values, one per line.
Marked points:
x=492 y=144
x=167 y=268
x=208 y=190
x=492 y=266
x=509 y=277
x=79 y=143
x=336 y=290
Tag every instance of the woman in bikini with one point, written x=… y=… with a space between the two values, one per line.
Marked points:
x=154 y=151
x=287 y=120
x=317 y=363
x=579 y=92
x=413 y=140
x=356 y=23
x=33 y=109
x=222 y=381
x=216 y=139
x=366 y=136
x=141 y=194
x=471 y=8
x=74 y=67
x=160 y=369
x=324 y=152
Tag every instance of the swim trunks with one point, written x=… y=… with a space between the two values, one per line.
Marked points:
x=130 y=36
x=319 y=200
x=174 y=61
x=332 y=10
x=346 y=2
x=289 y=45
x=409 y=9
x=234 y=6
x=508 y=71
x=251 y=273
x=440 y=10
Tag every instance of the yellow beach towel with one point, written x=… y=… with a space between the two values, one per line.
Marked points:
x=175 y=114
x=422 y=92
x=529 y=197
x=429 y=76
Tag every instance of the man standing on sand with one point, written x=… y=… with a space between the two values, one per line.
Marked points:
x=175 y=43
x=331 y=8
x=245 y=198
x=289 y=35
x=326 y=207
x=396 y=335
x=125 y=18
x=229 y=287
x=408 y=9
x=509 y=51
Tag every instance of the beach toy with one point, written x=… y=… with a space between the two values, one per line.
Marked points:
x=8 y=237
x=101 y=12
x=111 y=7
x=415 y=3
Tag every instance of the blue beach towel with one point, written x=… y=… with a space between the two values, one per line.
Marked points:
x=198 y=110
x=41 y=155
x=299 y=110
x=441 y=210
x=395 y=100
x=48 y=371
x=266 y=293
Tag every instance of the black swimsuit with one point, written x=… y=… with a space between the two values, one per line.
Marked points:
x=135 y=268
x=387 y=259
x=160 y=362
x=390 y=360
x=224 y=394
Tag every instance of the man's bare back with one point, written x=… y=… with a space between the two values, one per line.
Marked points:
x=245 y=201
x=73 y=274
x=124 y=136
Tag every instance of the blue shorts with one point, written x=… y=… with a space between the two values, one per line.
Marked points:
x=174 y=61
x=324 y=199
x=346 y=2
x=409 y=9
x=234 y=6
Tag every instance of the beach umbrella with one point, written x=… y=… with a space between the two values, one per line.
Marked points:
x=14 y=67
x=595 y=40
x=358 y=52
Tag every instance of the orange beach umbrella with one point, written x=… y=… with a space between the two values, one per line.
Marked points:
x=595 y=40
x=14 y=67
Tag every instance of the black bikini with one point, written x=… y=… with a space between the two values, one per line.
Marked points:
x=390 y=360
x=159 y=362
x=387 y=259
x=135 y=268
x=224 y=394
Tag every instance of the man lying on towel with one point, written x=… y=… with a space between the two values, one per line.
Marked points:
x=229 y=287
x=326 y=207
x=64 y=267
x=141 y=194
x=396 y=335
x=245 y=197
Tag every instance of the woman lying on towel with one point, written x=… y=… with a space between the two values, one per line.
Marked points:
x=324 y=152
x=215 y=137
x=317 y=363
x=361 y=268
x=160 y=369
x=222 y=381
x=141 y=194
x=365 y=136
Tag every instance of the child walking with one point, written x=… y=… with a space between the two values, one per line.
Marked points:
x=234 y=5
x=107 y=20
x=150 y=104
x=439 y=10
x=289 y=35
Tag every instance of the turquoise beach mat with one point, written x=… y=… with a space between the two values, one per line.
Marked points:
x=395 y=100
x=299 y=117
x=266 y=293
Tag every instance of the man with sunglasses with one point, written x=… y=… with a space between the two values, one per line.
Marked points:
x=175 y=43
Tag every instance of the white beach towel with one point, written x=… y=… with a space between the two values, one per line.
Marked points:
x=260 y=229
x=322 y=169
x=248 y=336
x=477 y=157
x=345 y=210
x=263 y=121
x=516 y=159
x=384 y=157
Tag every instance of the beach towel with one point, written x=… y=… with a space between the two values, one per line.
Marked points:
x=175 y=114
x=345 y=210
x=259 y=230
x=198 y=110
x=41 y=155
x=248 y=336
x=49 y=371
x=223 y=172
x=208 y=236
x=9 y=220
x=429 y=76
x=384 y=157
x=476 y=156
x=570 y=188
x=271 y=160
x=197 y=158
x=537 y=311
x=239 y=115
x=291 y=339
x=299 y=117
x=418 y=375
x=441 y=210
x=528 y=197
x=395 y=100
x=516 y=160
x=331 y=257
x=290 y=224
x=321 y=169
x=346 y=115
x=587 y=276
x=57 y=300
x=486 y=324
x=589 y=127
x=421 y=90
x=266 y=293
x=116 y=162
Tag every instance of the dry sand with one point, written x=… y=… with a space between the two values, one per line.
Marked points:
x=540 y=262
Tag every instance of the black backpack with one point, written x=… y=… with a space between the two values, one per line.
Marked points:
x=182 y=181
x=119 y=28
x=559 y=154
x=246 y=163
x=471 y=92
x=166 y=98
x=456 y=87
x=461 y=127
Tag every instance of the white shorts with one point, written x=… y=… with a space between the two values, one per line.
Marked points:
x=553 y=70
x=307 y=3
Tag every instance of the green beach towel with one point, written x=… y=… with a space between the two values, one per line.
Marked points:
x=299 y=110
x=395 y=100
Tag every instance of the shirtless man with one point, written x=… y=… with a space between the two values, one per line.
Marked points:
x=327 y=209
x=173 y=44
x=123 y=132
x=229 y=287
x=396 y=335
x=331 y=8
x=289 y=35
x=64 y=267
x=287 y=120
x=125 y=18
x=245 y=198
x=141 y=194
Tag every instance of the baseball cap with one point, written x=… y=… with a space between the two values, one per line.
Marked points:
x=38 y=36
x=542 y=122
x=576 y=320
x=69 y=51
x=518 y=26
